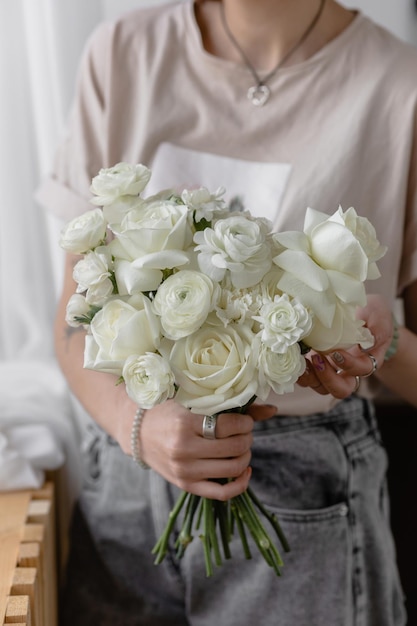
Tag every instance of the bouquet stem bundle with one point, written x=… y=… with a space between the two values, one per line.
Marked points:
x=213 y=519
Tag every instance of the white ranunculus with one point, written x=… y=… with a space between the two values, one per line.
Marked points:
x=84 y=232
x=183 y=302
x=280 y=371
x=77 y=308
x=93 y=275
x=215 y=368
x=149 y=379
x=119 y=330
x=122 y=179
x=239 y=305
x=283 y=322
x=345 y=331
x=150 y=239
x=203 y=203
x=235 y=246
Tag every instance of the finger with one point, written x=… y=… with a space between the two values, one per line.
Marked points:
x=339 y=385
x=357 y=363
x=260 y=412
x=205 y=469
x=309 y=377
x=226 y=448
x=223 y=492
x=230 y=424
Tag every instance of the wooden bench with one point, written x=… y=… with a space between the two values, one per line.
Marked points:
x=28 y=562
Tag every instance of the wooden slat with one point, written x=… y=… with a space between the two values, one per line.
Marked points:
x=28 y=565
x=13 y=510
x=41 y=511
x=25 y=583
x=18 y=610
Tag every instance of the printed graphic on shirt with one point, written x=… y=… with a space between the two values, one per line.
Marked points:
x=257 y=187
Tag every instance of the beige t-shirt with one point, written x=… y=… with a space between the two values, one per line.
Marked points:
x=339 y=129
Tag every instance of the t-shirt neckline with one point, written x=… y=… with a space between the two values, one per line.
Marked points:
x=328 y=51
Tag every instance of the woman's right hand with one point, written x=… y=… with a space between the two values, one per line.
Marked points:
x=172 y=443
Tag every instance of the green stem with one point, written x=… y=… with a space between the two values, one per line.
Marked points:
x=240 y=528
x=272 y=518
x=211 y=526
x=258 y=532
x=185 y=537
x=205 y=537
x=161 y=546
x=224 y=524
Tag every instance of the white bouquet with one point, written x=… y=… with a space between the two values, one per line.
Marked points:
x=183 y=298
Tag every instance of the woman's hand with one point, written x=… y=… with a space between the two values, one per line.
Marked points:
x=339 y=372
x=172 y=443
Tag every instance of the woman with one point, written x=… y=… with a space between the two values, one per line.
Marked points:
x=288 y=105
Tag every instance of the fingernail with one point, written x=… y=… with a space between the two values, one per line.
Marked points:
x=338 y=358
x=318 y=362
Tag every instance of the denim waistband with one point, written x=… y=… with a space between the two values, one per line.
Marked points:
x=350 y=409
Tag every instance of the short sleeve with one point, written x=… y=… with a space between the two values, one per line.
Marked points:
x=82 y=153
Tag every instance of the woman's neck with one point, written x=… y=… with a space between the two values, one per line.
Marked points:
x=266 y=30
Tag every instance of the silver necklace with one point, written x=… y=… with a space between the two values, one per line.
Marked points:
x=259 y=93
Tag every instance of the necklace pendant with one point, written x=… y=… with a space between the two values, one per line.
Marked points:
x=259 y=95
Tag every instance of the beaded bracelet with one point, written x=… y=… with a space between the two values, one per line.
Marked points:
x=393 y=347
x=134 y=438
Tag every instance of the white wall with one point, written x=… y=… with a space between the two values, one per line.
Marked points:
x=399 y=16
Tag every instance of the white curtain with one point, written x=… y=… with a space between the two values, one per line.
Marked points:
x=40 y=43
x=40 y=46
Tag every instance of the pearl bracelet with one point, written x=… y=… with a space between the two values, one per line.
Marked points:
x=393 y=347
x=134 y=438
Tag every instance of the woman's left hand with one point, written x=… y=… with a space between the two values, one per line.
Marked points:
x=339 y=373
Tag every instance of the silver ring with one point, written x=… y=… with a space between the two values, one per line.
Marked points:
x=374 y=366
x=209 y=426
x=357 y=384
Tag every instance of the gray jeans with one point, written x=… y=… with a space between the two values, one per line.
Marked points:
x=324 y=477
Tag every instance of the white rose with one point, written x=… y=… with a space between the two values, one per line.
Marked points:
x=149 y=379
x=365 y=233
x=280 y=371
x=84 y=233
x=344 y=331
x=93 y=275
x=283 y=322
x=325 y=268
x=334 y=247
x=215 y=368
x=153 y=238
x=122 y=179
x=237 y=246
x=119 y=330
x=115 y=212
x=77 y=311
x=183 y=302
x=203 y=203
